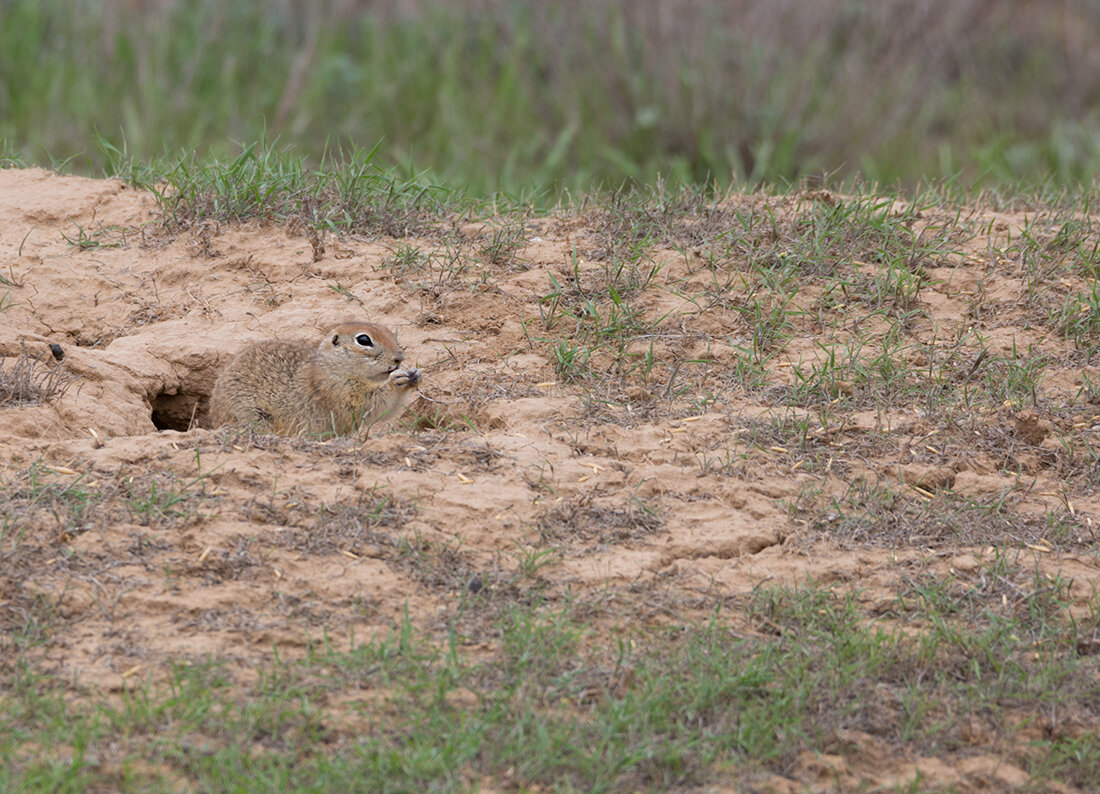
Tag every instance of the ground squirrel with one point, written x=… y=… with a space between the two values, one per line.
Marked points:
x=352 y=379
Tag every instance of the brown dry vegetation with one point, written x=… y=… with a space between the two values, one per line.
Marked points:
x=650 y=411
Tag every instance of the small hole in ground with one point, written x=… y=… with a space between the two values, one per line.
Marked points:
x=179 y=411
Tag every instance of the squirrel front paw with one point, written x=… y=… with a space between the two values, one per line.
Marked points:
x=405 y=378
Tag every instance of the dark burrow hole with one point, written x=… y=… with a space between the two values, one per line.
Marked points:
x=180 y=411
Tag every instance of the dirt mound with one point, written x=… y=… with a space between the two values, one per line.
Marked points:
x=718 y=447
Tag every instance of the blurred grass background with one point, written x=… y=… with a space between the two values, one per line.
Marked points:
x=517 y=95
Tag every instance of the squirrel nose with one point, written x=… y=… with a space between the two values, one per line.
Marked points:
x=398 y=358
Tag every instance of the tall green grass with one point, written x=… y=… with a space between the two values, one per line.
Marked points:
x=496 y=94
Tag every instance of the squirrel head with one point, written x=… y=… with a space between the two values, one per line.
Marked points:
x=363 y=349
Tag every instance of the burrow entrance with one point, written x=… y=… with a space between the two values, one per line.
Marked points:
x=181 y=411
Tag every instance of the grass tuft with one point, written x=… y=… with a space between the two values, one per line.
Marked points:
x=30 y=380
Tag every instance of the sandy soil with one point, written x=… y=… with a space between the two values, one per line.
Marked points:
x=273 y=541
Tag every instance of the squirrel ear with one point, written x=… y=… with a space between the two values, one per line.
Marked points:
x=336 y=340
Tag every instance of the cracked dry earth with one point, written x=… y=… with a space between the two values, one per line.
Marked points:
x=667 y=490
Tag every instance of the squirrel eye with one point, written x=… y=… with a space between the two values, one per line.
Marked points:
x=363 y=340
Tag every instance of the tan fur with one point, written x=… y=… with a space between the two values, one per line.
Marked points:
x=292 y=389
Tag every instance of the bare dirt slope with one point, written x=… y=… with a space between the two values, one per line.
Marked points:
x=673 y=486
